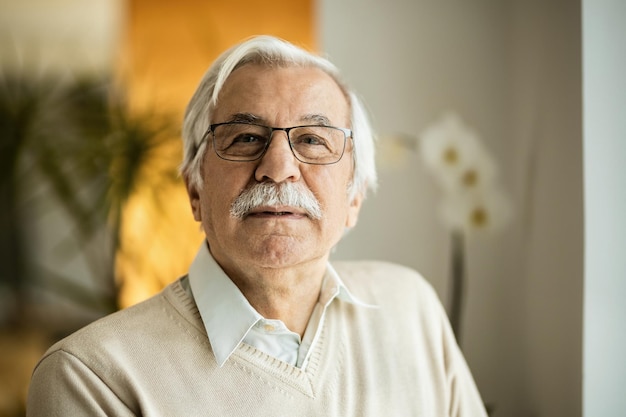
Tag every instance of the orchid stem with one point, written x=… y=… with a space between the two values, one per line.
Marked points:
x=457 y=283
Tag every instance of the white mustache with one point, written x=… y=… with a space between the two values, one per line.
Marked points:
x=272 y=194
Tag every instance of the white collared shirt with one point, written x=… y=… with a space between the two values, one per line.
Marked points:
x=230 y=319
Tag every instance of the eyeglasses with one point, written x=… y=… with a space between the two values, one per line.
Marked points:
x=314 y=144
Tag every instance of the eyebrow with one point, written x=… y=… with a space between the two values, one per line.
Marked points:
x=314 y=119
x=245 y=118
x=317 y=119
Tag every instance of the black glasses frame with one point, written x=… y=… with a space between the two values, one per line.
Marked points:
x=347 y=133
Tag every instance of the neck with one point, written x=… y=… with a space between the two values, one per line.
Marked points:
x=286 y=294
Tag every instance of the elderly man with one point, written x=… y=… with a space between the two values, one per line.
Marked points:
x=278 y=158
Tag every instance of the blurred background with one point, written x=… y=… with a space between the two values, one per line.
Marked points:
x=94 y=217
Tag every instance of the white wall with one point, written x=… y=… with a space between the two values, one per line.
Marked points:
x=604 y=30
x=512 y=69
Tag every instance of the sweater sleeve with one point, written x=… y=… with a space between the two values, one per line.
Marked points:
x=62 y=385
x=465 y=400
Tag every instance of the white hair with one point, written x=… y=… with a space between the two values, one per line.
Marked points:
x=268 y=50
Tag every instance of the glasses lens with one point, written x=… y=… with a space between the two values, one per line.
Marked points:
x=318 y=144
x=240 y=141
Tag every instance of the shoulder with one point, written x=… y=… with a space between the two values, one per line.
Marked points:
x=122 y=355
x=374 y=269
x=124 y=331
x=379 y=282
x=406 y=303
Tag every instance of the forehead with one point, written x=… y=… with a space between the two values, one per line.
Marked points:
x=282 y=95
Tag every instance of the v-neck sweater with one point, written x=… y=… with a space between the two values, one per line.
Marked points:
x=155 y=359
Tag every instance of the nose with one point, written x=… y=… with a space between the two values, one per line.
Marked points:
x=278 y=164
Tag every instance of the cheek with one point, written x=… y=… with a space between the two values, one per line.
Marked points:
x=333 y=180
x=222 y=186
x=215 y=204
x=334 y=199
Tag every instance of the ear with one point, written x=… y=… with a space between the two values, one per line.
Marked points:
x=194 y=199
x=353 y=210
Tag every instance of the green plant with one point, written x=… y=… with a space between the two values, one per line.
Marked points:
x=78 y=138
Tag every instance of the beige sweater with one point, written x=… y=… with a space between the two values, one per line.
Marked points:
x=154 y=359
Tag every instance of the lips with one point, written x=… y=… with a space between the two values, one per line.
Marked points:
x=276 y=212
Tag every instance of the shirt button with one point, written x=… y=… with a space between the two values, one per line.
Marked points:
x=268 y=327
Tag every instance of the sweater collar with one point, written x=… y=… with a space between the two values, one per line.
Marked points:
x=226 y=313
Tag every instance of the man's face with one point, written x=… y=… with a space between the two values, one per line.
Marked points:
x=278 y=97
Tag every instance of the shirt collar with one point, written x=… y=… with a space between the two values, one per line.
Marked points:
x=226 y=313
x=333 y=287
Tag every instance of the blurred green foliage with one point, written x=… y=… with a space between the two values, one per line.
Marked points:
x=76 y=137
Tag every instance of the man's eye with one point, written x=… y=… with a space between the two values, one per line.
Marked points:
x=247 y=138
x=310 y=140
